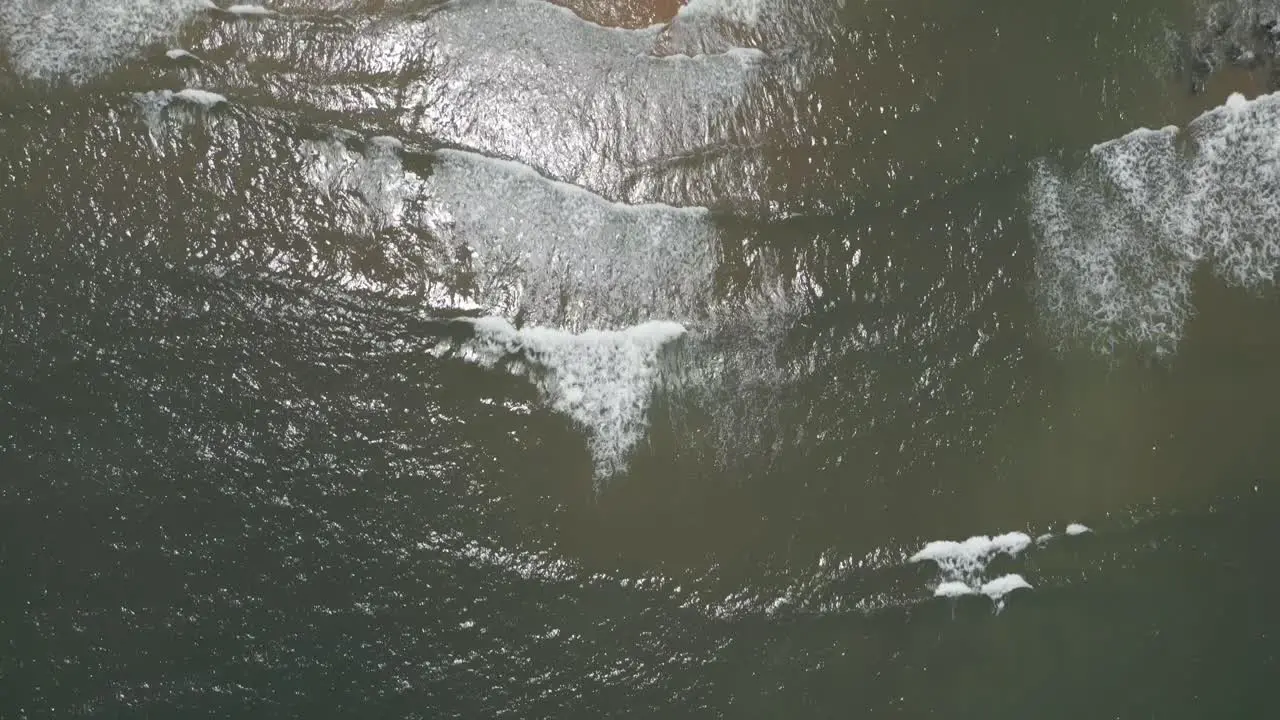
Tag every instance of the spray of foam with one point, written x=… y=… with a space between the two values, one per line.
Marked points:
x=1120 y=238
x=999 y=587
x=603 y=380
x=953 y=588
x=76 y=40
x=964 y=564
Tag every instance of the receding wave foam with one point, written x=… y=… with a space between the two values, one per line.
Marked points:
x=605 y=104
x=1120 y=238
x=541 y=253
x=746 y=12
x=200 y=97
x=528 y=248
x=603 y=380
x=48 y=39
x=602 y=287
x=557 y=255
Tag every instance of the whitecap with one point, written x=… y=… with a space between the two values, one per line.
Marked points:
x=963 y=565
x=953 y=588
x=602 y=380
x=256 y=10
x=200 y=97
x=971 y=556
x=1003 y=585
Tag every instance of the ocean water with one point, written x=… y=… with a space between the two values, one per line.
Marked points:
x=581 y=359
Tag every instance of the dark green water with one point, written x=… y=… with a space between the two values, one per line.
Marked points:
x=778 y=294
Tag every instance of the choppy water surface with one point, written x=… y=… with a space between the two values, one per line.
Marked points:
x=730 y=358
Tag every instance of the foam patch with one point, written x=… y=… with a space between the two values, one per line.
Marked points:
x=197 y=96
x=1119 y=239
x=76 y=40
x=559 y=256
x=953 y=588
x=746 y=12
x=997 y=589
x=602 y=380
x=963 y=565
x=546 y=254
x=250 y=10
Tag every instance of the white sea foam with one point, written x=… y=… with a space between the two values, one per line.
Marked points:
x=551 y=255
x=953 y=588
x=998 y=588
x=1003 y=585
x=560 y=256
x=1236 y=101
x=1077 y=529
x=603 y=380
x=971 y=556
x=73 y=39
x=250 y=10
x=526 y=247
x=963 y=565
x=200 y=97
x=1120 y=238
x=1227 y=27
x=746 y=12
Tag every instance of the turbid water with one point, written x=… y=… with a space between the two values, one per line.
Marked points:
x=736 y=358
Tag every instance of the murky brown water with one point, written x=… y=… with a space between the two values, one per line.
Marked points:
x=503 y=358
